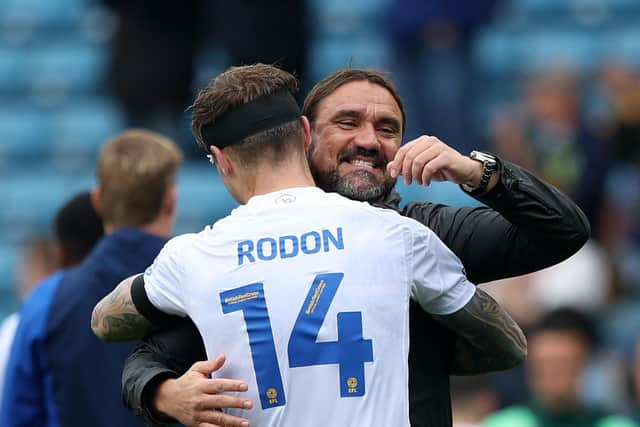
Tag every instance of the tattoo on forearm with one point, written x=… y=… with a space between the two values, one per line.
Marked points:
x=489 y=339
x=116 y=318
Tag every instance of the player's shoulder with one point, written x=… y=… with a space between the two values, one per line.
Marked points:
x=178 y=246
x=391 y=216
x=363 y=208
x=384 y=216
x=181 y=241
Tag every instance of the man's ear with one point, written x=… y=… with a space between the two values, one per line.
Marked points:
x=64 y=256
x=306 y=127
x=223 y=163
x=96 y=200
x=170 y=201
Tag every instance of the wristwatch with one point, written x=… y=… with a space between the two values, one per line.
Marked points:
x=489 y=164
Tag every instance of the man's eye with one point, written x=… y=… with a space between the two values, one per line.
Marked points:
x=347 y=123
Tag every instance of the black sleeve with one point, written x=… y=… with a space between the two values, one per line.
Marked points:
x=168 y=353
x=528 y=225
x=145 y=306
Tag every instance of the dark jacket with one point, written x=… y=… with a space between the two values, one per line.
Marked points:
x=86 y=370
x=528 y=225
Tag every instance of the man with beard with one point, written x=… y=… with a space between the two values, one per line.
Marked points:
x=292 y=299
x=357 y=122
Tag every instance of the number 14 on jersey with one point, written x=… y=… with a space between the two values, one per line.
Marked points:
x=350 y=351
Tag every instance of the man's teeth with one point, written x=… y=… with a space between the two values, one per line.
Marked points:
x=362 y=163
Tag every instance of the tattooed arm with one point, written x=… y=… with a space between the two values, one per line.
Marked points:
x=116 y=318
x=490 y=340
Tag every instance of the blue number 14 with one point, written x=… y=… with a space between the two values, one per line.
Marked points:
x=350 y=352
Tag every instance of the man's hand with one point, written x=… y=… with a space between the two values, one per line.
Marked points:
x=428 y=159
x=194 y=399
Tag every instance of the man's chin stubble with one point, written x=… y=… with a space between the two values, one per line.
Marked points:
x=358 y=185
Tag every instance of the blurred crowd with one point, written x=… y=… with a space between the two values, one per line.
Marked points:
x=576 y=127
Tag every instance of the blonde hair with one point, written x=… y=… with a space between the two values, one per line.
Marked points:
x=135 y=171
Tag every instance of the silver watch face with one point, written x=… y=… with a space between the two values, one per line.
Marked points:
x=483 y=157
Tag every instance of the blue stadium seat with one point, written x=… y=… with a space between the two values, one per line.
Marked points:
x=572 y=48
x=541 y=7
x=445 y=193
x=11 y=62
x=328 y=55
x=23 y=131
x=503 y=52
x=577 y=13
x=67 y=139
x=622 y=44
x=43 y=13
x=8 y=259
x=8 y=304
x=78 y=131
x=340 y=18
x=494 y=52
x=65 y=65
x=202 y=198
x=31 y=198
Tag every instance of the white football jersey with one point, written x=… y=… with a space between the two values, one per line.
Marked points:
x=307 y=294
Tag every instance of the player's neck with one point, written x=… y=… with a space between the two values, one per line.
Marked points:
x=281 y=178
x=161 y=227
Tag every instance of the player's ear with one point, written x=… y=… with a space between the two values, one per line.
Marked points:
x=96 y=199
x=306 y=127
x=222 y=161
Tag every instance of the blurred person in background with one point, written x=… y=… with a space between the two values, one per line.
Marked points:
x=547 y=132
x=152 y=62
x=634 y=370
x=38 y=262
x=431 y=45
x=620 y=222
x=560 y=346
x=77 y=228
x=581 y=143
x=472 y=400
x=40 y=258
x=136 y=198
x=266 y=31
x=622 y=83
x=584 y=281
x=527 y=226
x=156 y=47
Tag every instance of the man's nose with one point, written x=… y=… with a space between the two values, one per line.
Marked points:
x=367 y=138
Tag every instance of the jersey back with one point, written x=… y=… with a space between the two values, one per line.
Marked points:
x=307 y=295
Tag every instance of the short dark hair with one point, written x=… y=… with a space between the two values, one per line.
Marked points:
x=332 y=82
x=567 y=319
x=78 y=227
x=237 y=86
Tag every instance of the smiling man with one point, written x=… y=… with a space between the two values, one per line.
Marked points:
x=309 y=309
x=357 y=121
x=373 y=123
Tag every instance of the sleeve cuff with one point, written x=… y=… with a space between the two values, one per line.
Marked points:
x=145 y=403
x=145 y=306
x=498 y=190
